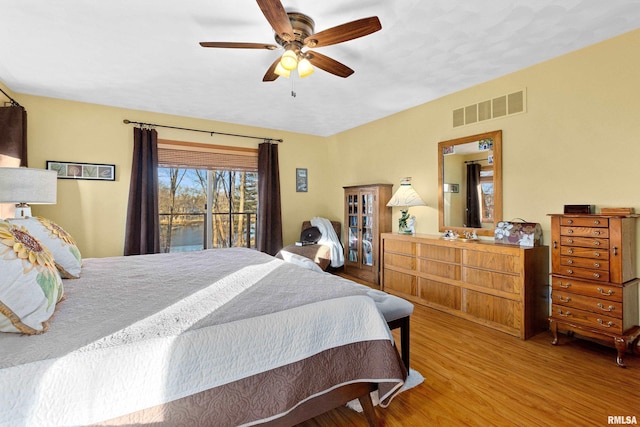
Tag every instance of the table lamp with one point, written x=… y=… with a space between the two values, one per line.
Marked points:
x=27 y=185
x=403 y=198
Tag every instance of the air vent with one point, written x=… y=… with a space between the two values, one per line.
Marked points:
x=501 y=106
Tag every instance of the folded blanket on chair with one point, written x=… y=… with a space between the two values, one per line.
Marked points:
x=330 y=239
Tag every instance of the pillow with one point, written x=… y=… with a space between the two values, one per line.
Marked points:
x=66 y=255
x=30 y=285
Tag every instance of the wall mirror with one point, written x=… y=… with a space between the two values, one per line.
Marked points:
x=470 y=183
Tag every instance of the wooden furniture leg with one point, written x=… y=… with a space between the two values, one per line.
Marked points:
x=553 y=325
x=369 y=410
x=403 y=323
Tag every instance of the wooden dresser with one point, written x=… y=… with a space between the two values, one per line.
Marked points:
x=594 y=284
x=500 y=286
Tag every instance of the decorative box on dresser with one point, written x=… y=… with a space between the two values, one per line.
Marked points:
x=503 y=287
x=594 y=285
x=366 y=216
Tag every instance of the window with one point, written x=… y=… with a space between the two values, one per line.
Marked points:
x=208 y=196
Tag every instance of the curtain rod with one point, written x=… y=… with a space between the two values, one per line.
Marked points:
x=14 y=103
x=125 y=121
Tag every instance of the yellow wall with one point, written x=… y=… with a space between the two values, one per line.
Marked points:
x=94 y=212
x=577 y=143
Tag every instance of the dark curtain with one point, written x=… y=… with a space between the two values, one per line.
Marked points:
x=269 y=238
x=473 y=200
x=13 y=134
x=143 y=228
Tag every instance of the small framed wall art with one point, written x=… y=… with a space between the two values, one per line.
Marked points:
x=77 y=170
x=301 y=180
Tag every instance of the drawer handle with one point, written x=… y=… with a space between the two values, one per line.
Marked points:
x=555 y=244
x=596 y=254
x=567 y=314
x=596 y=221
x=597 y=243
x=569 y=271
x=567 y=286
x=596 y=232
x=596 y=264
x=608 y=324
x=569 y=261
x=569 y=240
x=601 y=307
x=608 y=293
x=570 y=231
x=570 y=251
x=615 y=250
x=596 y=275
x=569 y=221
x=563 y=299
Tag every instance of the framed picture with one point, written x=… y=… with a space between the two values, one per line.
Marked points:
x=77 y=170
x=301 y=180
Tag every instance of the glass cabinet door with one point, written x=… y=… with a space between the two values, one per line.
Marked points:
x=367 y=232
x=352 y=206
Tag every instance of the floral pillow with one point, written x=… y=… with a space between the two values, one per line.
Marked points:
x=30 y=285
x=66 y=254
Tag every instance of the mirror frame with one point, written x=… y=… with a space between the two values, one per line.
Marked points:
x=497 y=181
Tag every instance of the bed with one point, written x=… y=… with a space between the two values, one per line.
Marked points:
x=217 y=337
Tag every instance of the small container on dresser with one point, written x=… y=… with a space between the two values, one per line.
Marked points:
x=594 y=284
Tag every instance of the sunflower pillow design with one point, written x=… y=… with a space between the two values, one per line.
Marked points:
x=66 y=254
x=30 y=285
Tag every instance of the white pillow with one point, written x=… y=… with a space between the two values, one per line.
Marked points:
x=65 y=252
x=30 y=285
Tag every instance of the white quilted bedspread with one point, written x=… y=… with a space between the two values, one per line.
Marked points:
x=135 y=332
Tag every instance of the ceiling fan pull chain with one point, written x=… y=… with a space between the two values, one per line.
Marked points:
x=293 y=88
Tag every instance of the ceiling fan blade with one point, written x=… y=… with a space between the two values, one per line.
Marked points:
x=277 y=17
x=329 y=65
x=241 y=45
x=270 y=75
x=342 y=33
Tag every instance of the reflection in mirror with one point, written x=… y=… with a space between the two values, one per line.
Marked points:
x=470 y=183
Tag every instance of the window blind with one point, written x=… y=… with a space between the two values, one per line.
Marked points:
x=190 y=155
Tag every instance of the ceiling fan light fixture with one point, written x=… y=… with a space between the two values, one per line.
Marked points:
x=281 y=71
x=289 y=60
x=305 y=68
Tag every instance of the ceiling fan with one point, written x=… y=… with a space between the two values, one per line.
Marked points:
x=295 y=33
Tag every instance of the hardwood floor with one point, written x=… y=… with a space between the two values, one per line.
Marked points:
x=475 y=376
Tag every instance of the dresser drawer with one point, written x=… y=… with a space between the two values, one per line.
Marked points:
x=585 y=232
x=586 y=242
x=603 y=291
x=583 y=273
x=587 y=318
x=595 y=305
x=492 y=280
x=440 y=269
x=438 y=253
x=492 y=261
x=585 y=222
x=399 y=282
x=399 y=246
x=596 y=264
x=439 y=293
x=399 y=261
x=585 y=252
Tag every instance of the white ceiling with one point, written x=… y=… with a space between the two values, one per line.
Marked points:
x=144 y=54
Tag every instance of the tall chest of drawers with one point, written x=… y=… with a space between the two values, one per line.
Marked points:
x=594 y=284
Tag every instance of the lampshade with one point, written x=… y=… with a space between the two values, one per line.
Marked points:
x=289 y=60
x=27 y=185
x=406 y=196
x=305 y=68
x=281 y=71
